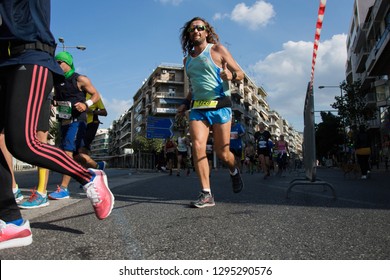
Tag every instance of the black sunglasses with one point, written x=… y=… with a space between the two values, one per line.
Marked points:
x=197 y=27
x=59 y=61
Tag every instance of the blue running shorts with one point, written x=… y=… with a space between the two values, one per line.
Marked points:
x=222 y=115
x=73 y=135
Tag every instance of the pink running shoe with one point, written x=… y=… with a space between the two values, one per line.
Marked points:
x=15 y=236
x=100 y=195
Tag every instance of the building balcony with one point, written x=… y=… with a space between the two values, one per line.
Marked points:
x=162 y=80
x=362 y=58
x=248 y=100
x=379 y=9
x=371 y=59
x=377 y=61
x=125 y=134
x=361 y=37
x=373 y=124
x=125 y=144
x=238 y=108
x=248 y=89
x=274 y=124
x=247 y=115
x=234 y=90
x=164 y=94
x=161 y=110
x=255 y=115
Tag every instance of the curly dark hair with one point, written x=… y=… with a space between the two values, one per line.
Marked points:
x=186 y=43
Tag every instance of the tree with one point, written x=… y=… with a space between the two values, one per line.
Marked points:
x=143 y=144
x=352 y=106
x=329 y=135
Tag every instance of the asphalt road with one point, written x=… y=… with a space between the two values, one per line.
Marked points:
x=151 y=220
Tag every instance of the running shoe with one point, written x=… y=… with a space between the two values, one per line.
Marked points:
x=101 y=165
x=18 y=196
x=36 y=200
x=60 y=193
x=204 y=200
x=99 y=193
x=15 y=236
x=237 y=182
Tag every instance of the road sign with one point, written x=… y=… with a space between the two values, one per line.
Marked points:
x=159 y=127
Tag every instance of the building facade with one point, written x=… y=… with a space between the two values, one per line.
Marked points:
x=368 y=61
x=99 y=145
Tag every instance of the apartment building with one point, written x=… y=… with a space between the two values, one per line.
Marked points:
x=163 y=91
x=99 y=145
x=120 y=134
x=369 y=61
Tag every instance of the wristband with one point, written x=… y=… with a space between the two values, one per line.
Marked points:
x=89 y=103
x=234 y=75
x=187 y=103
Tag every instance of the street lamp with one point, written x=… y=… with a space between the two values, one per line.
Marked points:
x=342 y=119
x=64 y=47
x=341 y=89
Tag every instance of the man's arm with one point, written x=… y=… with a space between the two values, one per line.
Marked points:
x=231 y=70
x=187 y=101
x=86 y=85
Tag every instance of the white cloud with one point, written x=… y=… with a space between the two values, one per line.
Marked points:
x=219 y=16
x=285 y=75
x=255 y=16
x=115 y=109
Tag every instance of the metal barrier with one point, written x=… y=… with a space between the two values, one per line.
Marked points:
x=309 y=148
x=145 y=161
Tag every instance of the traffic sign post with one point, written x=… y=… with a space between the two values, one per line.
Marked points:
x=159 y=127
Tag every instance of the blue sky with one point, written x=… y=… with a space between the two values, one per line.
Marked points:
x=272 y=40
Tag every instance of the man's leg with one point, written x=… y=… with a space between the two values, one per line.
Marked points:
x=221 y=133
x=199 y=131
x=221 y=143
x=8 y=157
x=62 y=191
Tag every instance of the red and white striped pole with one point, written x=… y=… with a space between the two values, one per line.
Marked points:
x=320 y=18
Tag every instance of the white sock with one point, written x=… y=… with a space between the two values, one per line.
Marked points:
x=42 y=194
x=206 y=191
x=233 y=173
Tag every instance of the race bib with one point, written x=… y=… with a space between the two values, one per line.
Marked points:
x=262 y=144
x=64 y=109
x=205 y=104
x=233 y=135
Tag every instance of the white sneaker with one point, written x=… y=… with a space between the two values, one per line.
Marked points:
x=99 y=194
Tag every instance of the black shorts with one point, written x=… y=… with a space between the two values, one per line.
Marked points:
x=171 y=155
x=236 y=152
x=183 y=154
x=266 y=152
x=90 y=134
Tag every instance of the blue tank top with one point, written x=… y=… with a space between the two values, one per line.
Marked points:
x=204 y=76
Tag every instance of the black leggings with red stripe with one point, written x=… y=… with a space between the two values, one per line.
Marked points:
x=23 y=90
